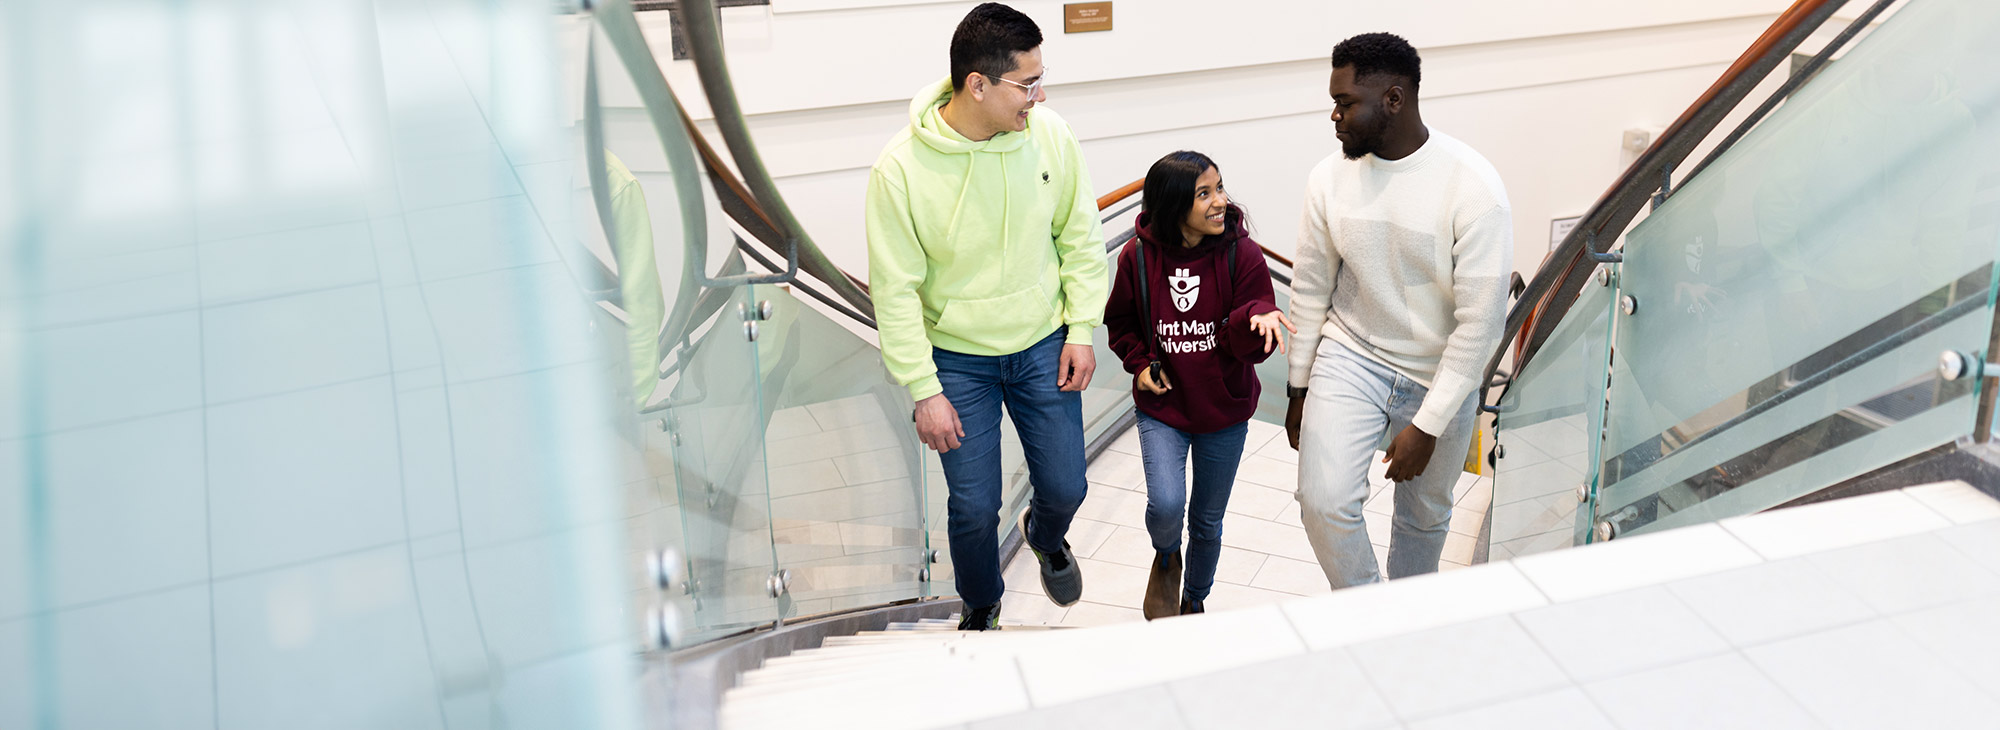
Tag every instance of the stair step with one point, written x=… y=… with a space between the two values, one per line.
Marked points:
x=929 y=624
x=814 y=674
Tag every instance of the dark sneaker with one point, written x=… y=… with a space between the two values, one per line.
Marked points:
x=984 y=618
x=1163 y=586
x=1189 y=605
x=1062 y=580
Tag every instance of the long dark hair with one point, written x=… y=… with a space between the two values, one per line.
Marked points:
x=1169 y=193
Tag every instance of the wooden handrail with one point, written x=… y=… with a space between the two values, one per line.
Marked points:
x=1112 y=198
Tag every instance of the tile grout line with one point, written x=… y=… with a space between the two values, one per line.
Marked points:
x=1954 y=547
x=1738 y=651
x=1369 y=678
x=1927 y=505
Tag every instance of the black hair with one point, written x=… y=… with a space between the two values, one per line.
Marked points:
x=1380 y=53
x=1169 y=193
x=987 y=39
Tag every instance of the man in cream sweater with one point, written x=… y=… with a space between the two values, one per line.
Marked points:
x=1400 y=295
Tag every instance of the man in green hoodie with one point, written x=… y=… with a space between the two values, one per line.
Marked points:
x=986 y=263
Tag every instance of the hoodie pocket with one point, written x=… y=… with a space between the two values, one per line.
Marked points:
x=977 y=320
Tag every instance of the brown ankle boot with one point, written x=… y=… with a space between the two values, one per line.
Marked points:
x=1163 y=588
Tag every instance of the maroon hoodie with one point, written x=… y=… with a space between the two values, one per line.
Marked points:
x=1206 y=345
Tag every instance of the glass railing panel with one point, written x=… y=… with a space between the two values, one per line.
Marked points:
x=1793 y=300
x=305 y=422
x=716 y=421
x=846 y=468
x=699 y=510
x=1549 y=418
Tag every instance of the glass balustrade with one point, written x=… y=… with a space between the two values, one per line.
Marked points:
x=1778 y=323
x=1547 y=421
x=1792 y=301
x=846 y=468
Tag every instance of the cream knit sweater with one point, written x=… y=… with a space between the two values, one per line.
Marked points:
x=1406 y=262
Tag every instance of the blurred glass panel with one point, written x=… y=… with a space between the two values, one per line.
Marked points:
x=309 y=421
x=698 y=505
x=1794 y=299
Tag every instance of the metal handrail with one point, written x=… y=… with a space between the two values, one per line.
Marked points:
x=621 y=28
x=611 y=291
x=704 y=37
x=1556 y=285
x=830 y=302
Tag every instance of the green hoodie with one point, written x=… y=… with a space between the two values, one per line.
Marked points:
x=982 y=248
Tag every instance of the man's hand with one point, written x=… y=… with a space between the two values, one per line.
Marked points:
x=1144 y=381
x=1074 y=370
x=1294 y=414
x=937 y=424
x=1267 y=324
x=1409 y=453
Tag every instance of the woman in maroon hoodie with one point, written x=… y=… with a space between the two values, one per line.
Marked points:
x=1190 y=328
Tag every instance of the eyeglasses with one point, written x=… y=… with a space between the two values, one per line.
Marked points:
x=1033 y=89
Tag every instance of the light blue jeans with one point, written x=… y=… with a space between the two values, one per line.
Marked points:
x=1354 y=406
x=1165 y=452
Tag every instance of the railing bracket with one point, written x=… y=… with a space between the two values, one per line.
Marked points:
x=1953 y=365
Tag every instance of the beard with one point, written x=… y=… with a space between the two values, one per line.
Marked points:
x=1363 y=140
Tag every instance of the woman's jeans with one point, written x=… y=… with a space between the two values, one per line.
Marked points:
x=1165 y=452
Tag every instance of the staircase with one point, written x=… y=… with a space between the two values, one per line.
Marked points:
x=871 y=669
x=1874 y=611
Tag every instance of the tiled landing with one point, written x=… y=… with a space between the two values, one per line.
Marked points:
x=1265 y=556
x=1873 y=612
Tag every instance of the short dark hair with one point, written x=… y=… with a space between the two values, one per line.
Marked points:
x=987 y=39
x=1169 y=193
x=1380 y=53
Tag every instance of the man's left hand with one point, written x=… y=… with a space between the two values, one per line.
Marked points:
x=1409 y=453
x=1074 y=370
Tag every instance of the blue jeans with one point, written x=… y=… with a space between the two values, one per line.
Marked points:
x=1353 y=406
x=1216 y=455
x=1050 y=424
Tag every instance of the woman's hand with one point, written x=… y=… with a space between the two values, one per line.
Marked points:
x=1144 y=381
x=1267 y=324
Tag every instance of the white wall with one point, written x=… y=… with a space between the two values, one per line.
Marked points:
x=1544 y=90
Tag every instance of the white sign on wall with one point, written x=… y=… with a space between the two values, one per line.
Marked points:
x=1559 y=229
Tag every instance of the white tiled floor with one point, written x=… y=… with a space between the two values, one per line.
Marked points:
x=1265 y=556
x=1503 y=646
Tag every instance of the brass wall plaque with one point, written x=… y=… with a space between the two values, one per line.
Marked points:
x=1086 y=17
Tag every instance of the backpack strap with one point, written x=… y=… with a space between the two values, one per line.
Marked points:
x=1146 y=300
x=1232 y=261
x=1229 y=256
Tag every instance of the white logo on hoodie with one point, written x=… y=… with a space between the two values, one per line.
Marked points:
x=1186 y=289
